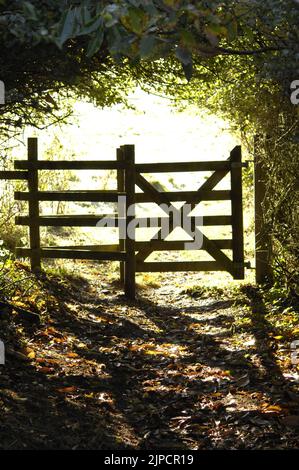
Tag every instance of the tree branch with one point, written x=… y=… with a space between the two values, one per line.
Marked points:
x=262 y=50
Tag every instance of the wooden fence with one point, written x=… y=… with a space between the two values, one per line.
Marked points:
x=130 y=253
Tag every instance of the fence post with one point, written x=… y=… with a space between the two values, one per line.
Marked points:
x=237 y=212
x=130 y=264
x=34 y=231
x=262 y=242
x=121 y=188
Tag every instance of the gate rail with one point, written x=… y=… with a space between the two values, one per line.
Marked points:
x=130 y=253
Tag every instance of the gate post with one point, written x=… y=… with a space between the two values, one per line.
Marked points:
x=237 y=212
x=130 y=263
x=34 y=231
x=121 y=188
x=262 y=241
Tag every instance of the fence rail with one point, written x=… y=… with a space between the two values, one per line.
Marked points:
x=76 y=196
x=113 y=220
x=72 y=253
x=13 y=175
x=130 y=253
x=68 y=165
x=187 y=166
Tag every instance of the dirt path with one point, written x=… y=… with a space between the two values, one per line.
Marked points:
x=165 y=372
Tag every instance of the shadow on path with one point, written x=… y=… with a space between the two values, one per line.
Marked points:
x=112 y=374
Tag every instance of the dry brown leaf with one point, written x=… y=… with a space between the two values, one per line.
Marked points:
x=30 y=353
x=59 y=340
x=66 y=389
x=43 y=360
x=46 y=370
x=272 y=408
x=72 y=355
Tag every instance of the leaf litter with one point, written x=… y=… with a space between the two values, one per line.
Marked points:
x=170 y=370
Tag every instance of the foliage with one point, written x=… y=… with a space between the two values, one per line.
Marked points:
x=57 y=180
x=16 y=280
x=252 y=91
x=12 y=235
x=102 y=45
x=42 y=80
x=159 y=373
x=242 y=57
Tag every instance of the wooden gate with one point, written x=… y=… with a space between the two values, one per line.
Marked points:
x=130 y=253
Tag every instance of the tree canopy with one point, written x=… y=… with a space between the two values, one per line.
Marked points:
x=52 y=49
x=234 y=57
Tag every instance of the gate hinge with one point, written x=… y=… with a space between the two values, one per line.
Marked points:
x=239 y=164
x=243 y=265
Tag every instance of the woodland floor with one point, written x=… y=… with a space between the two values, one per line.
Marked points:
x=168 y=371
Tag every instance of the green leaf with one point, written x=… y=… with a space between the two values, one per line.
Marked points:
x=232 y=31
x=187 y=38
x=212 y=37
x=188 y=70
x=91 y=26
x=68 y=26
x=29 y=10
x=137 y=19
x=95 y=43
x=183 y=55
x=146 y=45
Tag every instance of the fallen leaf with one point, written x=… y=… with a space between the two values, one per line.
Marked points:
x=46 y=370
x=153 y=352
x=42 y=360
x=72 y=354
x=30 y=353
x=272 y=408
x=292 y=377
x=59 y=340
x=66 y=389
x=243 y=381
